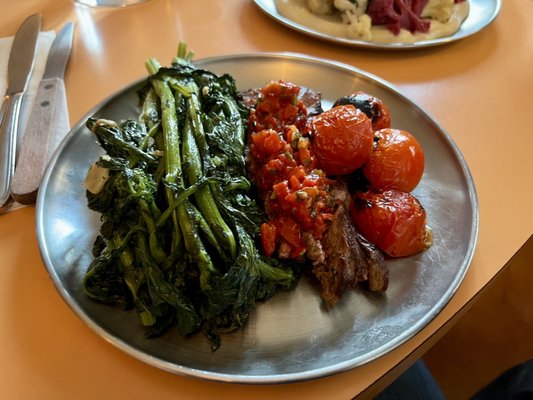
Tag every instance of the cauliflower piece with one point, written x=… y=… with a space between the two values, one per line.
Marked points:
x=440 y=10
x=356 y=7
x=320 y=7
x=359 y=27
x=353 y=14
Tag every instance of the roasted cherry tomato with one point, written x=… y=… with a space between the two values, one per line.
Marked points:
x=393 y=220
x=373 y=107
x=397 y=161
x=342 y=139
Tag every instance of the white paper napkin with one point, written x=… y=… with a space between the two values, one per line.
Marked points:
x=44 y=42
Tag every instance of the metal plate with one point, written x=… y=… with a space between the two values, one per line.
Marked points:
x=290 y=337
x=482 y=13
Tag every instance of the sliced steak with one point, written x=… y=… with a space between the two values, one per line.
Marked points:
x=346 y=257
x=378 y=273
x=249 y=97
x=312 y=101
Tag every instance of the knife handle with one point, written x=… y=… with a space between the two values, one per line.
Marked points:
x=47 y=126
x=9 y=126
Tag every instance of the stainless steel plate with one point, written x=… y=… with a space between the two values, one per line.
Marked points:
x=290 y=337
x=482 y=13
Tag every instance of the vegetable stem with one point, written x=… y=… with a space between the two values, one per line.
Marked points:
x=203 y=196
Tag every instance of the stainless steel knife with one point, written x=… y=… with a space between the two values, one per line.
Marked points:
x=48 y=123
x=19 y=70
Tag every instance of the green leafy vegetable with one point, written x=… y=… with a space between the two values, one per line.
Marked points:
x=178 y=240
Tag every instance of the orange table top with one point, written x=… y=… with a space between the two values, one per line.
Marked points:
x=477 y=88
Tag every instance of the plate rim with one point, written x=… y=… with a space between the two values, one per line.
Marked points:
x=271 y=378
x=287 y=22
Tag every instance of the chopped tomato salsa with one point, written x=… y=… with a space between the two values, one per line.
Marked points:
x=282 y=166
x=278 y=107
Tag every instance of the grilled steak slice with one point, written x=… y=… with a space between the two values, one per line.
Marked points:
x=344 y=264
x=346 y=257
x=249 y=97
x=378 y=273
x=311 y=100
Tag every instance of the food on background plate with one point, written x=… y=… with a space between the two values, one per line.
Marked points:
x=186 y=240
x=379 y=21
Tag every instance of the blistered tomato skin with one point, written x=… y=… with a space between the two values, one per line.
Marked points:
x=373 y=107
x=397 y=161
x=393 y=220
x=342 y=139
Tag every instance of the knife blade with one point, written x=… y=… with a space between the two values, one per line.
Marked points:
x=48 y=123
x=19 y=67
